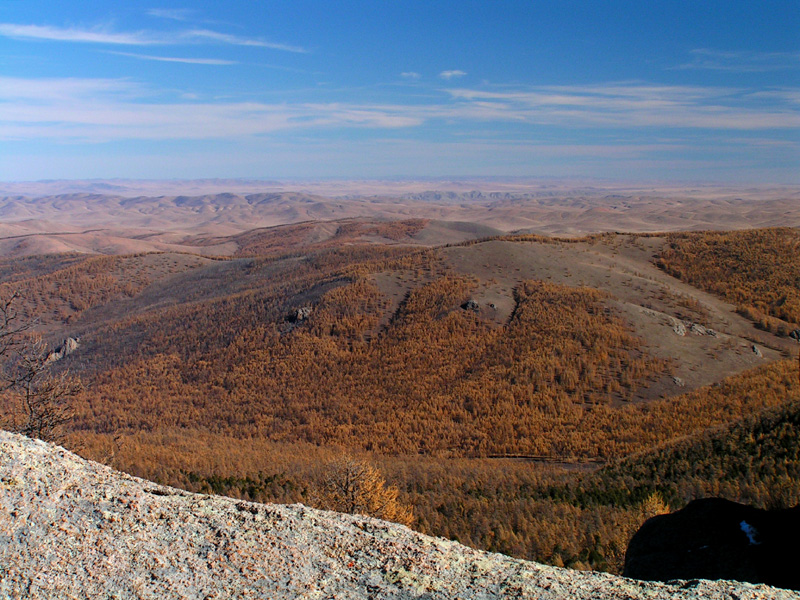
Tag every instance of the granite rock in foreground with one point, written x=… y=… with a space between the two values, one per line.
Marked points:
x=71 y=528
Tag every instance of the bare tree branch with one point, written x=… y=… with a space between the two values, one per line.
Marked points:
x=10 y=327
x=37 y=402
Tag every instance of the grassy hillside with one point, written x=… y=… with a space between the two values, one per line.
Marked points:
x=310 y=236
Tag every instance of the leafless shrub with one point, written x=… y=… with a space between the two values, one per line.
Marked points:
x=36 y=402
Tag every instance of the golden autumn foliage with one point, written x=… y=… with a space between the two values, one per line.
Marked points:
x=353 y=485
x=60 y=288
x=758 y=270
x=563 y=514
x=431 y=377
x=492 y=431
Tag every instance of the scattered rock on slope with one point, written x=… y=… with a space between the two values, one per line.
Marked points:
x=678 y=327
x=298 y=315
x=471 y=305
x=67 y=347
x=73 y=528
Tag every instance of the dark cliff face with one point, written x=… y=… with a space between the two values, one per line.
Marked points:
x=718 y=539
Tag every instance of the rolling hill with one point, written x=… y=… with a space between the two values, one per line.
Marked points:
x=529 y=358
x=120 y=217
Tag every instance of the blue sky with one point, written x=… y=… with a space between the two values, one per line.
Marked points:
x=637 y=91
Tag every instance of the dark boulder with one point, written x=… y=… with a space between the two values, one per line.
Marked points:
x=718 y=539
x=471 y=305
x=299 y=315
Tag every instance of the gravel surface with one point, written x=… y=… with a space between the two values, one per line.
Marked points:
x=70 y=528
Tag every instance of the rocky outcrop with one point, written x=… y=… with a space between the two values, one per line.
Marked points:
x=698 y=329
x=298 y=315
x=718 y=539
x=471 y=305
x=67 y=347
x=678 y=327
x=70 y=528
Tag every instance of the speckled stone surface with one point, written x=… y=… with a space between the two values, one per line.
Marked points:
x=70 y=528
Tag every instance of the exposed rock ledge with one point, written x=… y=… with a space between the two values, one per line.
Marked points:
x=70 y=528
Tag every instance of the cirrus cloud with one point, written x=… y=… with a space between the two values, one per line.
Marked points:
x=454 y=74
x=100 y=35
x=177 y=59
x=108 y=109
x=67 y=34
x=174 y=14
x=741 y=61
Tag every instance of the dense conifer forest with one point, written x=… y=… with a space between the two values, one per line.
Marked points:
x=250 y=375
x=757 y=270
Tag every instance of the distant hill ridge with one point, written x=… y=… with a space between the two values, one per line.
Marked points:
x=549 y=212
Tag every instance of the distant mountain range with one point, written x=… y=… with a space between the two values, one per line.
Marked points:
x=111 y=217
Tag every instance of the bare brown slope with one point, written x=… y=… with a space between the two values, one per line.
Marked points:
x=661 y=309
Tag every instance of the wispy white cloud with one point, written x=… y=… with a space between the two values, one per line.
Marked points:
x=454 y=74
x=240 y=41
x=104 y=110
x=92 y=36
x=175 y=59
x=631 y=106
x=410 y=75
x=761 y=142
x=137 y=38
x=54 y=90
x=741 y=61
x=108 y=109
x=791 y=96
x=175 y=14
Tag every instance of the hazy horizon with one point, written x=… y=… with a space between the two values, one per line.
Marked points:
x=398 y=187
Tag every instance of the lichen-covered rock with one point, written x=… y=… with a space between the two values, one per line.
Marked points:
x=70 y=528
x=678 y=327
